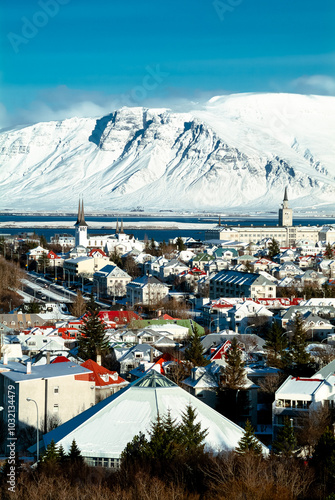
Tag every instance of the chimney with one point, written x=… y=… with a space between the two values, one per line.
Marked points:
x=48 y=357
x=151 y=355
x=99 y=359
x=140 y=340
x=28 y=367
x=5 y=358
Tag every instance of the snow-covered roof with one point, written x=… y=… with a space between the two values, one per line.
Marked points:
x=105 y=429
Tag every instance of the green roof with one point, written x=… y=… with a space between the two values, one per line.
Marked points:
x=141 y=323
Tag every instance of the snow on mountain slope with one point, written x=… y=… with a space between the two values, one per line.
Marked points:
x=237 y=151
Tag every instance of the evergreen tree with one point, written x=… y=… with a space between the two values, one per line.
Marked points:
x=93 y=339
x=285 y=442
x=329 y=253
x=194 y=350
x=324 y=457
x=165 y=438
x=192 y=437
x=248 y=443
x=298 y=355
x=43 y=241
x=180 y=244
x=234 y=371
x=74 y=455
x=276 y=343
x=61 y=454
x=51 y=455
x=136 y=450
x=273 y=248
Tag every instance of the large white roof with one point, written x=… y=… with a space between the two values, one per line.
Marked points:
x=105 y=429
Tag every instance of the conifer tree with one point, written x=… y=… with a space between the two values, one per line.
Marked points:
x=93 y=340
x=61 y=454
x=51 y=455
x=74 y=455
x=234 y=372
x=285 y=442
x=298 y=356
x=194 y=349
x=248 y=443
x=165 y=438
x=273 y=248
x=329 y=253
x=324 y=457
x=136 y=450
x=192 y=437
x=275 y=343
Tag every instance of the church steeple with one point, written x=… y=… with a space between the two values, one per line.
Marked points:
x=285 y=213
x=81 y=227
x=121 y=230
x=117 y=226
x=81 y=216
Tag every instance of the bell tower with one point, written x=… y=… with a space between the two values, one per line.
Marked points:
x=81 y=227
x=285 y=213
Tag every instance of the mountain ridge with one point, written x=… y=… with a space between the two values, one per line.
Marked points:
x=234 y=152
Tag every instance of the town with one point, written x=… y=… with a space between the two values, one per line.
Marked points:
x=107 y=339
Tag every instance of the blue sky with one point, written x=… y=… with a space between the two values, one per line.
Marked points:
x=65 y=57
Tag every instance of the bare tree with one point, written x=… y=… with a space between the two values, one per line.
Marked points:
x=78 y=307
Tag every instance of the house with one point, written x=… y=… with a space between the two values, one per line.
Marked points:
x=146 y=290
x=116 y=420
x=239 y=284
x=106 y=382
x=299 y=395
x=61 y=391
x=111 y=281
x=246 y=315
x=83 y=266
x=203 y=383
x=36 y=253
x=134 y=356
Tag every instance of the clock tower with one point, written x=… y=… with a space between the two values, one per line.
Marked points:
x=285 y=213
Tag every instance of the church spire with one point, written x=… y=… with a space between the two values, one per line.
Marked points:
x=121 y=230
x=219 y=220
x=285 y=195
x=81 y=216
x=117 y=226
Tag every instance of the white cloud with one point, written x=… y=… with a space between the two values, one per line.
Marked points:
x=315 y=84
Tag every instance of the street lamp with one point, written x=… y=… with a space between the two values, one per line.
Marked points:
x=249 y=326
x=37 y=431
x=213 y=321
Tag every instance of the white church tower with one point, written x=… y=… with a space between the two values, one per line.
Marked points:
x=81 y=227
x=285 y=213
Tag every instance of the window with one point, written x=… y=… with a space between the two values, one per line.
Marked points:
x=56 y=390
x=56 y=408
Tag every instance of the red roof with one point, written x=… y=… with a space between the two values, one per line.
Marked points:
x=118 y=317
x=100 y=375
x=95 y=251
x=60 y=359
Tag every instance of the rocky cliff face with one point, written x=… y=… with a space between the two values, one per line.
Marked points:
x=237 y=151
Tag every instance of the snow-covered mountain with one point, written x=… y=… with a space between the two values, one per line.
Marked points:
x=236 y=151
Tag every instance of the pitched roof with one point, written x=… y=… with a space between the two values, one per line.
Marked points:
x=106 y=428
x=101 y=376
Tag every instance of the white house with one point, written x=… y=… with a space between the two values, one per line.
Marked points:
x=111 y=281
x=146 y=290
x=298 y=395
x=61 y=390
